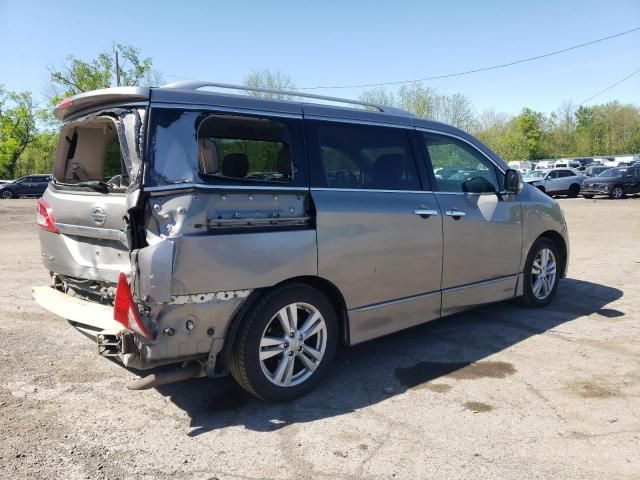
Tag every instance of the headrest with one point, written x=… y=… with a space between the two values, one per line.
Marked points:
x=235 y=165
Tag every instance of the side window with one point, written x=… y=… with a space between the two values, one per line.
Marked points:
x=250 y=149
x=552 y=175
x=566 y=173
x=459 y=167
x=361 y=157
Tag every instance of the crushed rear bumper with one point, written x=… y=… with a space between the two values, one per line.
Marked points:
x=93 y=320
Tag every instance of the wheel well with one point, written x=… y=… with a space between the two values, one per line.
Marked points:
x=324 y=286
x=556 y=238
x=335 y=297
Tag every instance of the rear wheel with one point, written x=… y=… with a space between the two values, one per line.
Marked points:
x=574 y=190
x=541 y=273
x=286 y=344
x=7 y=194
x=617 y=192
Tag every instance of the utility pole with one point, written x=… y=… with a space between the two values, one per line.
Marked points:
x=117 y=70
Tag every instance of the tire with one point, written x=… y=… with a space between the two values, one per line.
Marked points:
x=574 y=190
x=617 y=193
x=534 y=297
x=7 y=194
x=291 y=367
x=588 y=196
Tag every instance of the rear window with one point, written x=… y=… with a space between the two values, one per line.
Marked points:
x=103 y=149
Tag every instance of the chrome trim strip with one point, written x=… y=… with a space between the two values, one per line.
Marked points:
x=215 y=108
x=481 y=283
x=447 y=134
x=365 y=190
x=163 y=189
x=323 y=118
x=394 y=302
x=83 y=231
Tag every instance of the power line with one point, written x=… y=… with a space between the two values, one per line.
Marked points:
x=610 y=87
x=476 y=70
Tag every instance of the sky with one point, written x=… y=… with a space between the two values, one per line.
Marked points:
x=344 y=43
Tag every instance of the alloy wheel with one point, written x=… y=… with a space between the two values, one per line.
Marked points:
x=617 y=193
x=293 y=344
x=543 y=274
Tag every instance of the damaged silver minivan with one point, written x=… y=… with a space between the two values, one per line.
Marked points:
x=230 y=233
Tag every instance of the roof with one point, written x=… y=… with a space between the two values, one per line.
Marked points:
x=191 y=93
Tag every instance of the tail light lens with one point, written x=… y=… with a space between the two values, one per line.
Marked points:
x=125 y=311
x=44 y=216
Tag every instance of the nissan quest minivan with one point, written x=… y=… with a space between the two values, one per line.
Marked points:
x=230 y=233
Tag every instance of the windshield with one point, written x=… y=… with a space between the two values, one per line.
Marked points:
x=613 y=172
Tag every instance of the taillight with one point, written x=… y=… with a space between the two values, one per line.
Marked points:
x=66 y=103
x=44 y=216
x=124 y=309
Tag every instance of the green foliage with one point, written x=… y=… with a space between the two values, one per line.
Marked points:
x=266 y=78
x=17 y=128
x=76 y=75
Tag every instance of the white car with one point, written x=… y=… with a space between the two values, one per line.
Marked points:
x=557 y=181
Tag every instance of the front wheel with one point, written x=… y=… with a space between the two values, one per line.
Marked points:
x=7 y=194
x=541 y=273
x=286 y=343
x=617 y=192
x=574 y=190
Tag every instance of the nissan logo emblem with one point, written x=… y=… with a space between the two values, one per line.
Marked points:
x=98 y=215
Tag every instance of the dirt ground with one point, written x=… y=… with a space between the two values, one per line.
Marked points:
x=499 y=392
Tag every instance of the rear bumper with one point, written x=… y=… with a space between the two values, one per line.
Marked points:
x=94 y=317
x=93 y=320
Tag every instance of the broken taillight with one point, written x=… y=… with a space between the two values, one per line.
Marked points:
x=44 y=216
x=125 y=311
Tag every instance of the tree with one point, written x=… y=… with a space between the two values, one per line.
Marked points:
x=76 y=75
x=274 y=80
x=17 y=128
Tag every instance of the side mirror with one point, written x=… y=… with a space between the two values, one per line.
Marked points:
x=513 y=183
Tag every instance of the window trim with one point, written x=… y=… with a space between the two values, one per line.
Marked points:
x=430 y=170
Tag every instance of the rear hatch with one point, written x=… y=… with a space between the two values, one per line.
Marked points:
x=87 y=214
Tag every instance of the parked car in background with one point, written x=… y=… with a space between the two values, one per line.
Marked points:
x=558 y=181
x=565 y=162
x=263 y=233
x=594 y=171
x=614 y=182
x=29 y=186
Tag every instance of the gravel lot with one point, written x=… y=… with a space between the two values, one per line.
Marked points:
x=500 y=392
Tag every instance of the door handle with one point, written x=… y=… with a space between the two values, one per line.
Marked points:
x=455 y=213
x=425 y=212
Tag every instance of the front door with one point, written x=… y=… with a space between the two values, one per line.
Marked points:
x=379 y=232
x=482 y=230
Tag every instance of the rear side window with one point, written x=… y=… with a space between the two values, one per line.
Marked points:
x=355 y=156
x=245 y=148
x=188 y=146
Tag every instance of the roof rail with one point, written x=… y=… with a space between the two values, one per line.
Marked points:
x=195 y=85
